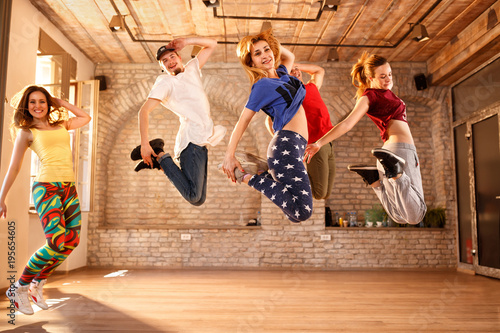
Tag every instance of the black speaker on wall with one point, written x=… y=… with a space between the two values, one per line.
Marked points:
x=420 y=81
x=102 y=82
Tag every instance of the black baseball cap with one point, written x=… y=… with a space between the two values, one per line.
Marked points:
x=162 y=50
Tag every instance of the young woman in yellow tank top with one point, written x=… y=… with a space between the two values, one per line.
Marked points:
x=39 y=125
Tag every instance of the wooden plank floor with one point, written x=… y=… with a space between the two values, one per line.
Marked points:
x=264 y=301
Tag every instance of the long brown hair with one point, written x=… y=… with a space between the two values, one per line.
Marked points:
x=243 y=53
x=363 y=69
x=22 y=119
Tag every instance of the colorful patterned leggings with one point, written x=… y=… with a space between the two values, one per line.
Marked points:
x=58 y=207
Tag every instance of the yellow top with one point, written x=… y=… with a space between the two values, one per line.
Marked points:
x=54 y=151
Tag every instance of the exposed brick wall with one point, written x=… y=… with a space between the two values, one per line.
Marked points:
x=138 y=217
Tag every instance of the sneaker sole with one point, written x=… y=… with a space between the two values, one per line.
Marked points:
x=389 y=154
x=361 y=167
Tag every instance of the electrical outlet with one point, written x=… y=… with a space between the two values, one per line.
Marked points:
x=185 y=236
x=326 y=237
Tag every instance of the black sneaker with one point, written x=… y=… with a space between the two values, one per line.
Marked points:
x=156 y=144
x=392 y=163
x=368 y=173
x=141 y=165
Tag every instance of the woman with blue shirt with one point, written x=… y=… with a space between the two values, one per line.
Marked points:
x=280 y=96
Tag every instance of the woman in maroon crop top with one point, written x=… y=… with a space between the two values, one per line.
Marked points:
x=396 y=179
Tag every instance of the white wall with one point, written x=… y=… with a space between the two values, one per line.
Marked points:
x=26 y=22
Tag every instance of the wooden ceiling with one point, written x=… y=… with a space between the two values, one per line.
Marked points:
x=304 y=26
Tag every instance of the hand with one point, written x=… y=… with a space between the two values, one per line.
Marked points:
x=311 y=150
x=57 y=102
x=178 y=44
x=3 y=210
x=229 y=164
x=146 y=152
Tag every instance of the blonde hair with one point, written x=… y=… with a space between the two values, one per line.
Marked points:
x=243 y=51
x=363 y=69
x=22 y=119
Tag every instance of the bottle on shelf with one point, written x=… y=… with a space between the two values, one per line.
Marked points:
x=354 y=220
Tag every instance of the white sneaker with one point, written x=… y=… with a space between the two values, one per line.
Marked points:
x=249 y=157
x=19 y=297
x=249 y=167
x=36 y=293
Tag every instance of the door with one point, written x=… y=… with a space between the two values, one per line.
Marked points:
x=486 y=154
x=477 y=158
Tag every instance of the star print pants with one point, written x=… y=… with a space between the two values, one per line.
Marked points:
x=286 y=182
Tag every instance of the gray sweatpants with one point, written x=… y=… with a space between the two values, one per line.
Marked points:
x=403 y=198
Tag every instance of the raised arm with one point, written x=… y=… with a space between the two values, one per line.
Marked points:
x=317 y=73
x=340 y=129
x=230 y=161
x=287 y=58
x=146 y=150
x=80 y=119
x=20 y=146
x=207 y=46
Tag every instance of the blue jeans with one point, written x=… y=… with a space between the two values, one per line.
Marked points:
x=191 y=178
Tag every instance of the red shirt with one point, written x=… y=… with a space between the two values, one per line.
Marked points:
x=384 y=106
x=318 y=118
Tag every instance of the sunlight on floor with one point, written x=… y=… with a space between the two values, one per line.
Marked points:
x=117 y=273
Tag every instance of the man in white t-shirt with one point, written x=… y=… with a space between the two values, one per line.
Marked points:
x=181 y=91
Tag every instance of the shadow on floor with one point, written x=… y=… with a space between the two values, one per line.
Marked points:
x=74 y=313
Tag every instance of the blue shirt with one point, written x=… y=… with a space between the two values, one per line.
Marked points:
x=279 y=98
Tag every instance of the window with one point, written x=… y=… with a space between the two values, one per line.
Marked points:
x=54 y=72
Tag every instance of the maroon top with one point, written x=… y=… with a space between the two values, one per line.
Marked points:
x=384 y=106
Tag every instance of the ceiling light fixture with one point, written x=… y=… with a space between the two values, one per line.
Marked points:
x=332 y=5
x=419 y=33
x=116 y=23
x=333 y=55
x=211 y=3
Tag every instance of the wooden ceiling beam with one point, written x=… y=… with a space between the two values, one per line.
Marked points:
x=443 y=23
x=59 y=15
x=469 y=50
